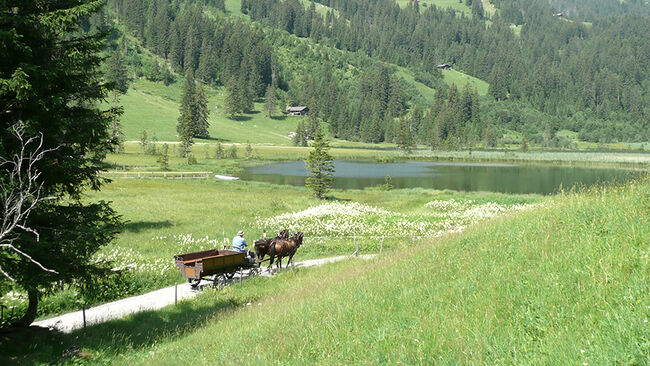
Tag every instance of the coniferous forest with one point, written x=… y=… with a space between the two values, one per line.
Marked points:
x=545 y=72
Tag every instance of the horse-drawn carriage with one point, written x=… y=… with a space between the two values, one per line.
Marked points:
x=222 y=265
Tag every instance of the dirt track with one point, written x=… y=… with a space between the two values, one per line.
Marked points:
x=149 y=301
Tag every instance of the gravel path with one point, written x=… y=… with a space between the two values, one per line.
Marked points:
x=150 y=301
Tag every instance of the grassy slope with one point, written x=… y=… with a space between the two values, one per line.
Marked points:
x=320 y=8
x=154 y=107
x=460 y=79
x=489 y=8
x=454 y=4
x=562 y=284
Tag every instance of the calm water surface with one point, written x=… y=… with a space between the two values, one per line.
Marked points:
x=508 y=178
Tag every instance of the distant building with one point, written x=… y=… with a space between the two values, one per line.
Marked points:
x=558 y=14
x=443 y=67
x=298 y=111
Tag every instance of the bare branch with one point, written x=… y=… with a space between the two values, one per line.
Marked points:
x=20 y=192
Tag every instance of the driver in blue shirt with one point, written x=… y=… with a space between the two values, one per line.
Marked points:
x=238 y=242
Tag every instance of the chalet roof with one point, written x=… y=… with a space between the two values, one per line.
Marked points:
x=297 y=109
x=443 y=66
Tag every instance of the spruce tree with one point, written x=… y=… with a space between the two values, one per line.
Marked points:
x=232 y=152
x=249 y=150
x=320 y=166
x=270 y=101
x=403 y=137
x=116 y=72
x=201 y=113
x=116 y=131
x=193 y=119
x=219 y=153
x=163 y=159
x=233 y=100
x=51 y=84
x=299 y=134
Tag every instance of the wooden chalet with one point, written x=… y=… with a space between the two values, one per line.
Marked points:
x=298 y=111
x=443 y=67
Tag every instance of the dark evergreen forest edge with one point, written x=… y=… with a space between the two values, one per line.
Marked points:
x=555 y=73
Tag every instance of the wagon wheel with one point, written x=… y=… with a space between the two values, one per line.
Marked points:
x=254 y=271
x=194 y=281
x=219 y=281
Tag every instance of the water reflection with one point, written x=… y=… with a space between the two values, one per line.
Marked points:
x=507 y=178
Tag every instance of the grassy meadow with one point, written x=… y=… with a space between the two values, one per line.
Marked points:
x=153 y=107
x=165 y=217
x=564 y=282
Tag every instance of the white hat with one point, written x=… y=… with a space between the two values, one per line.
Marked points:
x=240 y=233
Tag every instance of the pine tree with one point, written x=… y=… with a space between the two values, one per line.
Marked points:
x=163 y=159
x=320 y=166
x=232 y=101
x=312 y=127
x=116 y=131
x=524 y=144
x=201 y=113
x=403 y=137
x=50 y=83
x=232 y=153
x=269 y=98
x=299 y=134
x=219 y=153
x=185 y=126
x=144 y=141
x=249 y=150
x=116 y=72
x=477 y=9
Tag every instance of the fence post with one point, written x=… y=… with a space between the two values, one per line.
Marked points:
x=356 y=244
x=414 y=237
x=381 y=248
x=83 y=311
x=176 y=294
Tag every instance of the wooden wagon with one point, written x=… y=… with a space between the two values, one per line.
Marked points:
x=221 y=264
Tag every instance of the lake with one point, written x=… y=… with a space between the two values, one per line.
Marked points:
x=492 y=177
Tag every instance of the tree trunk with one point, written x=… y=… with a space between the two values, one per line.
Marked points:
x=30 y=314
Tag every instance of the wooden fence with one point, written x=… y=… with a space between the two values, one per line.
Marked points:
x=165 y=175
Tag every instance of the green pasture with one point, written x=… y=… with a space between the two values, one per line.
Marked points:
x=427 y=93
x=133 y=159
x=456 y=77
x=564 y=283
x=320 y=8
x=489 y=8
x=233 y=7
x=165 y=217
x=153 y=107
x=458 y=6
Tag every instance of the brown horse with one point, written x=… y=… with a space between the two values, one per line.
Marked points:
x=281 y=248
x=263 y=246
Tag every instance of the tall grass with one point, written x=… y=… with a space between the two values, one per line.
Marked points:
x=563 y=284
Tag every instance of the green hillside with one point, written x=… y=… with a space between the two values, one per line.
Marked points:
x=454 y=4
x=564 y=283
x=153 y=107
